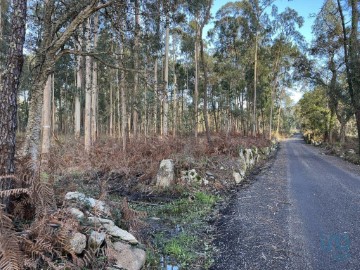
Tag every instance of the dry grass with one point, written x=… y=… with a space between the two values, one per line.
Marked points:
x=142 y=156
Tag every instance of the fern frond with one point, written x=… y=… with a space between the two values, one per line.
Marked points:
x=13 y=192
x=11 y=258
x=5 y=220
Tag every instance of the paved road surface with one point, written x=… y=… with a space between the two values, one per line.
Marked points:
x=303 y=212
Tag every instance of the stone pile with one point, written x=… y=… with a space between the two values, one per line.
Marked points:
x=96 y=214
x=248 y=158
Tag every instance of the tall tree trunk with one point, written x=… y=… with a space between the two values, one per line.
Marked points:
x=79 y=83
x=175 y=101
x=111 y=120
x=254 y=130
x=10 y=80
x=166 y=79
x=136 y=67
x=123 y=98
x=46 y=122
x=196 y=90
x=156 y=101
x=53 y=107
x=88 y=96
x=342 y=132
x=94 y=86
x=206 y=83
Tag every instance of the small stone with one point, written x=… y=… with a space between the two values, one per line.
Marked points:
x=78 y=242
x=96 y=239
x=209 y=174
x=76 y=213
x=100 y=221
x=75 y=196
x=99 y=206
x=128 y=257
x=238 y=178
x=117 y=232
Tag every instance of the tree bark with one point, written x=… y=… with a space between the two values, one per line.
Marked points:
x=196 y=83
x=79 y=83
x=136 y=67
x=88 y=88
x=166 y=78
x=94 y=85
x=46 y=122
x=254 y=129
x=10 y=80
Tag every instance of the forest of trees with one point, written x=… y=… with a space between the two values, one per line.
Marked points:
x=327 y=110
x=89 y=70
x=148 y=68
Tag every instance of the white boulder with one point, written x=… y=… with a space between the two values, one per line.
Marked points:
x=78 y=242
x=166 y=175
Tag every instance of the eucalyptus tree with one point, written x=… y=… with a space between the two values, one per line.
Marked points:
x=200 y=12
x=55 y=22
x=351 y=46
x=286 y=41
x=327 y=44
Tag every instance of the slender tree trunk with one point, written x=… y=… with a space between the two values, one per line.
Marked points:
x=342 y=132
x=156 y=96
x=175 y=101
x=196 y=83
x=123 y=99
x=79 y=83
x=206 y=79
x=166 y=79
x=254 y=130
x=46 y=122
x=88 y=95
x=111 y=120
x=53 y=107
x=136 y=66
x=94 y=92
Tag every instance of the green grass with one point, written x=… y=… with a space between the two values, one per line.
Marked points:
x=186 y=245
x=181 y=248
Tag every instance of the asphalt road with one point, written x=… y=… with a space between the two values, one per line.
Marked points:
x=302 y=212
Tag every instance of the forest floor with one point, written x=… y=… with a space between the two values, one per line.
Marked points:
x=176 y=225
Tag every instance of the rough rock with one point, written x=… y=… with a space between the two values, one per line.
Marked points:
x=99 y=206
x=249 y=158
x=122 y=234
x=100 y=221
x=128 y=257
x=265 y=151
x=78 y=242
x=350 y=152
x=238 y=178
x=76 y=213
x=96 y=239
x=191 y=176
x=166 y=175
x=242 y=167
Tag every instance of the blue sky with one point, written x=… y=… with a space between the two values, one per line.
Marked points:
x=305 y=8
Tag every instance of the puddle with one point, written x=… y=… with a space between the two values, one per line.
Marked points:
x=166 y=263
